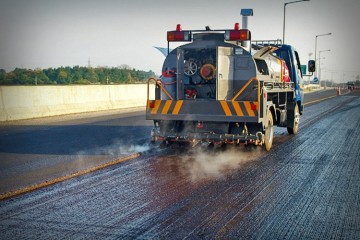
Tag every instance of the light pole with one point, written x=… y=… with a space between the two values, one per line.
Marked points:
x=320 y=66
x=315 y=74
x=332 y=78
x=285 y=4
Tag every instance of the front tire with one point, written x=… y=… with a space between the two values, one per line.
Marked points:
x=269 y=132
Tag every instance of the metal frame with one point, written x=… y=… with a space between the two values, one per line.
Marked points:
x=221 y=110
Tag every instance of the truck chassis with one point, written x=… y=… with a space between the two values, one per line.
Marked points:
x=248 y=118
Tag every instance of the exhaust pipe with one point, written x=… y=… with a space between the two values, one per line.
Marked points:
x=245 y=13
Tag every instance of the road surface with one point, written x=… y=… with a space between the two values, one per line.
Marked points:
x=306 y=187
x=34 y=151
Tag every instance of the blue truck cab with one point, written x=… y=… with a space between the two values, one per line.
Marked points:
x=292 y=60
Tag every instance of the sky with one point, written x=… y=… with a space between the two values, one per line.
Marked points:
x=52 y=33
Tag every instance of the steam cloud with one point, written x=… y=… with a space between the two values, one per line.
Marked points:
x=86 y=159
x=119 y=148
x=202 y=165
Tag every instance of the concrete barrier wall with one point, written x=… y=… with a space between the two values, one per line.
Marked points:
x=25 y=102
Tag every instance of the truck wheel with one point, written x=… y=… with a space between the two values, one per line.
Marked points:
x=296 y=120
x=269 y=132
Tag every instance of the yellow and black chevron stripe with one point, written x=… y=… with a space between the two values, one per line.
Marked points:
x=242 y=108
x=227 y=108
x=164 y=106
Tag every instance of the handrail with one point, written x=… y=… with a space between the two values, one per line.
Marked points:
x=159 y=83
x=245 y=86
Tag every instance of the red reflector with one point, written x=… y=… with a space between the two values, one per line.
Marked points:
x=151 y=105
x=253 y=107
x=200 y=125
x=178 y=36
x=237 y=35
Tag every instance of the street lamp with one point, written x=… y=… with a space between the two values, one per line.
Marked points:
x=320 y=66
x=316 y=48
x=285 y=4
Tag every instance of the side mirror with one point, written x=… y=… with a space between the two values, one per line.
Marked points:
x=311 y=66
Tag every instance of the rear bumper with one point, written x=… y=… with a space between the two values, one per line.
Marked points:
x=194 y=110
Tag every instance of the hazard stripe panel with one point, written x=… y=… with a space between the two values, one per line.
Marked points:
x=248 y=109
x=166 y=107
x=237 y=108
x=177 y=107
x=156 y=107
x=227 y=108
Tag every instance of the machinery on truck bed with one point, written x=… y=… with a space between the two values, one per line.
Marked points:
x=214 y=90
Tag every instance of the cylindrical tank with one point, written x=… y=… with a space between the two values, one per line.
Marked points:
x=168 y=81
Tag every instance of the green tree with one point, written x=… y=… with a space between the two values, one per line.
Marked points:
x=24 y=79
x=22 y=76
x=9 y=79
x=61 y=76
x=129 y=78
x=2 y=76
x=41 y=77
x=51 y=74
x=69 y=72
x=91 y=75
x=76 y=74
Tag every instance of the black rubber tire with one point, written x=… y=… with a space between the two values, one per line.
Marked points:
x=294 y=130
x=269 y=132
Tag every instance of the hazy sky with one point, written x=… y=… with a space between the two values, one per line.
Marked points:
x=54 y=33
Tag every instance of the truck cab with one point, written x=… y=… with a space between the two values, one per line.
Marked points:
x=292 y=60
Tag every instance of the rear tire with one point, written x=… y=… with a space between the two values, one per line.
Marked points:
x=294 y=130
x=269 y=132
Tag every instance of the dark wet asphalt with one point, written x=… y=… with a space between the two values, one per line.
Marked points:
x=306 y=187
x=34 y=151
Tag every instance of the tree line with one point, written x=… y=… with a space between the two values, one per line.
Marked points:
x=74 y=75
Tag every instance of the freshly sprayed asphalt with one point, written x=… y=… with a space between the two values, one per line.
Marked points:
x=306 y=187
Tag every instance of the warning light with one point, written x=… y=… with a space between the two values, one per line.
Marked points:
x=237 y=26
x=178 y=36
x=237 y=35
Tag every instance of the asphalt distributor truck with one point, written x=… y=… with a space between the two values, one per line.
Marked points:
x=215 y=90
